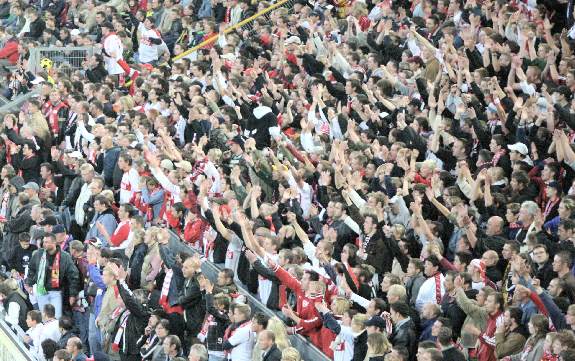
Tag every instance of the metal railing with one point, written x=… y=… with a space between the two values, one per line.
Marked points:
x=211 y=270
x=69 y=59
x=246 y=24
x=9 y=106
x=11 y=347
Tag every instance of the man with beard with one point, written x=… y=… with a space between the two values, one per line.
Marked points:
x=52 y=271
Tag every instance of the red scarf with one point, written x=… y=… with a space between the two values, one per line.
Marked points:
x=438 y=287
x=497 y=155
x=230 y=332
x=271 y=223
x=51 y=113
x=164 y=295
x=55 y=274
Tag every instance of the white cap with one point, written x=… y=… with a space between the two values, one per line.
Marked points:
x=519 y=147
x=76 y=154
x=37 y=80
x=75 y=32
x=293 y=40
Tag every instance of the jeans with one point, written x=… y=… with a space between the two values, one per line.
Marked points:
x=94 y=336
x=81 y=321
x=216 y=358
x=53 y=298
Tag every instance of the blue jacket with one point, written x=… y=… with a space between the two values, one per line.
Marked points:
x=96 y=277
x=205 y=10
x=177 y=282
x=155 y=200
x=108 y=220
x=426 y=327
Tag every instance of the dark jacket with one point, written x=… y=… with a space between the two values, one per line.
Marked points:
x=135 y=265
x=65 y=337
x=452 y=354
x=380 y=254
x=17 y=298
x=273 y=300
x=69 y=276
x=136 y=322
x=404 y=335
x=73 y=194
x=110 y=160
x=219 y=322
x=36 y=29
x=184 y=292
x=274 y=354
x=18 y=223
x=30 y=167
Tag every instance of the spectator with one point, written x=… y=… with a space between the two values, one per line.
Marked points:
x=75 y=347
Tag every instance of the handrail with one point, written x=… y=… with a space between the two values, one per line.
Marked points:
x=14 y=104
x=215 y=37
x=11 y=347
x=211 y=270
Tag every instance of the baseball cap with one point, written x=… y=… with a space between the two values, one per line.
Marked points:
x=519 y=147
x=167 y=164
x=238 y=140
x=59 y=228
x=185 y=165
x=49 y=221
x=376 y=321
x=32 y=185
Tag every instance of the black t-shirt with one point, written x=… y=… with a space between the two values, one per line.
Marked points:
x=21 y=258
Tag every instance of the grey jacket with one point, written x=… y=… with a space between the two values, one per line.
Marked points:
x=533 y=354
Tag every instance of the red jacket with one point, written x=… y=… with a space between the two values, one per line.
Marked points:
x=486 y=350
x=10 y=52
x=310 y=324
x=193 y=231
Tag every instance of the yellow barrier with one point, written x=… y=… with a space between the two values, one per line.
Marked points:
x=230 y=29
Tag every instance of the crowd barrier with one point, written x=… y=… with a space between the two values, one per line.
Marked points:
x=68 y=59
x=210 y=270
x=11 y=346
x=8 y=106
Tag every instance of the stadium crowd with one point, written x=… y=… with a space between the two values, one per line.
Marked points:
x=394 y=179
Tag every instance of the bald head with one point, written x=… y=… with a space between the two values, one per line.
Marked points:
x=490 y=258
x=494 y=226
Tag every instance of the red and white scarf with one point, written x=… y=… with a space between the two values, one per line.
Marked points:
x=164 y=295
x=120 y=334
x=438 y=287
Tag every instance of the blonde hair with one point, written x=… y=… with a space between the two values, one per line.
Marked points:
x=340 y=305
x=290 y=354
x=279 y=329
x=126 y=102
x=38 y=125
x=377 y=344
x=108 y=194
x=397 y=290
x=358 y=322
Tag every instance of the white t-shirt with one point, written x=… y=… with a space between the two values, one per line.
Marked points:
x=113 y=46
x=342 y=346
x=233 y=253
x=147 y=51
x=427 y=292
x=130 y=184
x=265 y=285
x=52 y=330
x=243 y=340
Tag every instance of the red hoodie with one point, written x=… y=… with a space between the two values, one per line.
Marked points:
x=310 y=324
